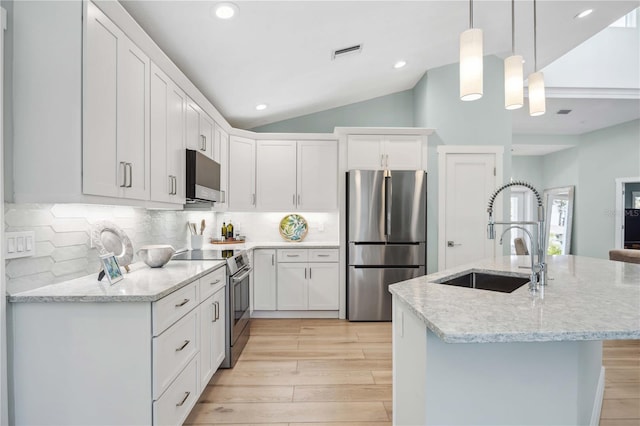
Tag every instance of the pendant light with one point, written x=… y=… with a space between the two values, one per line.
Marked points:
x=537 y=103
x=471 y=61
x=513 y=72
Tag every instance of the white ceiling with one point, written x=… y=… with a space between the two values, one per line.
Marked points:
x=279 y=52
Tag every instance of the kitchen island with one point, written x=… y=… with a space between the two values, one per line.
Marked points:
x=469 y=356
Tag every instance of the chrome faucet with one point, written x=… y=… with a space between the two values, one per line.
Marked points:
x=540 y=269
x=535 y=268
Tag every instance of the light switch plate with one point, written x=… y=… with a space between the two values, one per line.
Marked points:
x=19 y=244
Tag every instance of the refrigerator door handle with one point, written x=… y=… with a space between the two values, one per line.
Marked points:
x=388 y=189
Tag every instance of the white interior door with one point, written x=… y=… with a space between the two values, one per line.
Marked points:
x=468 y=181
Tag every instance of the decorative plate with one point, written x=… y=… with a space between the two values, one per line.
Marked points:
x=293 y=227
x=107 y=237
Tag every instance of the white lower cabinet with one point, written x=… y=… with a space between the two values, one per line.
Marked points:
x=117 y=362
x=264 y=280
x=307 y=279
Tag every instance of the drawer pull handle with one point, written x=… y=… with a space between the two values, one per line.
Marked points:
x=184 y=345
x=323 y=255
x=215 y=282
x=186 y=396
x=184 y=302
x=293 y=255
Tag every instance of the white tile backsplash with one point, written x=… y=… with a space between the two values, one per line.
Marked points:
x=63 y=246
x=264 y=227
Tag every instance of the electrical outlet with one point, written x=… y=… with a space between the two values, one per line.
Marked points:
x=19 y=244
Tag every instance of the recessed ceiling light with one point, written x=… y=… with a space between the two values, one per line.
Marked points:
x=260 y=107
x=583 y=14
x=225 y=10
x=399 y=64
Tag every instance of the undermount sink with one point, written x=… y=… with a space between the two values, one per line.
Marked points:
x=486 y=281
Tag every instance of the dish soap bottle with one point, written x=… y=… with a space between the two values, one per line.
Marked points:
x=223 y=234
x=230 y=231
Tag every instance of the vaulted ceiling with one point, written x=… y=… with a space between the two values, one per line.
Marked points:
x=279 y=52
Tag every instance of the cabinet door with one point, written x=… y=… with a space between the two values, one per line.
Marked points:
x=206 y=133
x=403 y=152
x=219 y=329
x=167 y=139
x=317 y=175
x=292 y=286
x=323 y=286
x=100 y=86
x=242 y=165
x=221 y=143
x=207 y=317
x=364 y=152
x=133 y=121
x=276 y=175
x=264 y=280
x=194 y=141
x=176 y=107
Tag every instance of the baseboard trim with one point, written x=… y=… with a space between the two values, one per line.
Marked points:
x=295 y=314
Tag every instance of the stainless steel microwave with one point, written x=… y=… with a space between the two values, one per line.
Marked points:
x=202 y=178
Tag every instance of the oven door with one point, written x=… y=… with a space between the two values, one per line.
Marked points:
x=239 y=303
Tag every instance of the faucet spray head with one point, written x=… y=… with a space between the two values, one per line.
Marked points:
x=491 y=232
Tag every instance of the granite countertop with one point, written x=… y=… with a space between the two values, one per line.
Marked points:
x=142 y=284
x=250 y=245
x=585 y=299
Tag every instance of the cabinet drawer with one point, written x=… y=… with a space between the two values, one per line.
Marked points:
x=172 y=350
x=171 y=308
x=212 y=282
x=176 y=403
x=293 y=255
x=323 y=255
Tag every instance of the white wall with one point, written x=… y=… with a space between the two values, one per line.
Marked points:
x=609 y=59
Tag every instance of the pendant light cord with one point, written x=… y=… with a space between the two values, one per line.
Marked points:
x=535 y=37
x=513 y=28
x=470 y=13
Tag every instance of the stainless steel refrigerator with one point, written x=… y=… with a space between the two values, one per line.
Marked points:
x=386 y=236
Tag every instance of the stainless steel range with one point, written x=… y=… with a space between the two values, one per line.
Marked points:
x=236 y=296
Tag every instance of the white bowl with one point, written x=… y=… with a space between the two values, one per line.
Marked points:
x=157 y=255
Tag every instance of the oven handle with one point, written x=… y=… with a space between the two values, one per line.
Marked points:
x=241 y=277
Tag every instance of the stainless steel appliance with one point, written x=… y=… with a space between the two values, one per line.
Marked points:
x=386 y=237
x=236 y=296
x=202 y=178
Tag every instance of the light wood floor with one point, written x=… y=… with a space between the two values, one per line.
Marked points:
x=315 y=372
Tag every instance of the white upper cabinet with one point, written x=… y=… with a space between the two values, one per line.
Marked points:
x=297 y=175
x=168 y=104
x=242 y=176
x=116 y=114
x=379 y=152
x=317 y=175
x=221 y=155
x=276 y=175
x=199 y=130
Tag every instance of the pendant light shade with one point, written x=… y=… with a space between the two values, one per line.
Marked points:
x=471 y=64
x=513 y=72
x=513 y=82
x=537 y=104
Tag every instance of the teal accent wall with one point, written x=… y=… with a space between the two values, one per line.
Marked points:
x=394 y=110
x=604 y=155
x=483 y=122
x=529 y=169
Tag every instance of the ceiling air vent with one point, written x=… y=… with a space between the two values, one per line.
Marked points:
x=339 y=53
x=564 y=111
